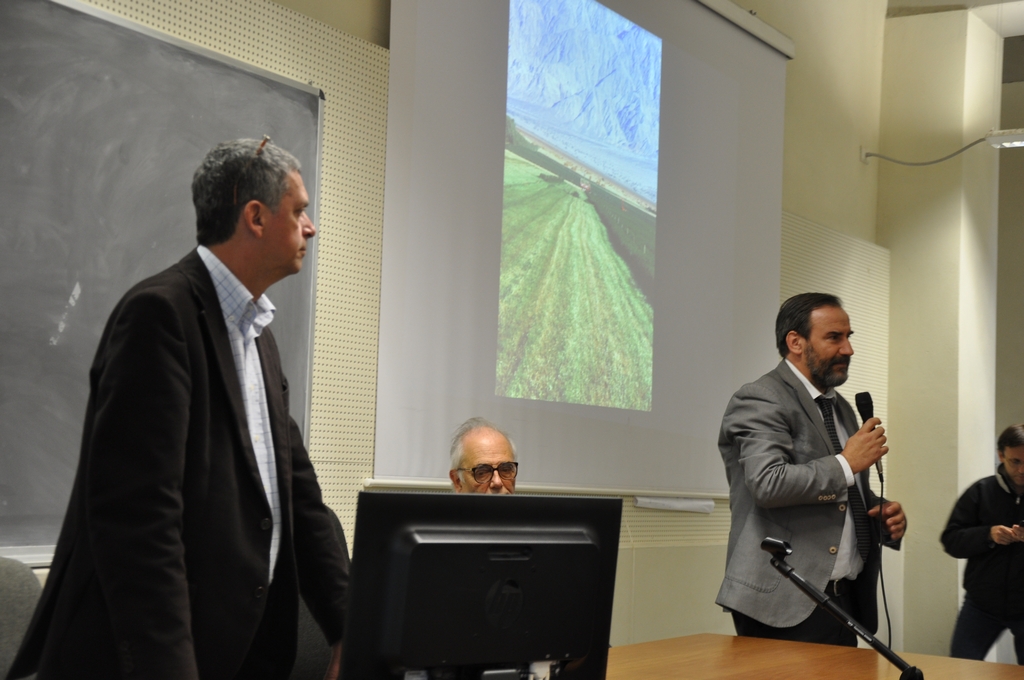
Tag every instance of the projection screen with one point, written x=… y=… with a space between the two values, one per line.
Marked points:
x=581 y=237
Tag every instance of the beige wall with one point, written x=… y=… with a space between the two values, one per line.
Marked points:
x=979 y=255
x=832 y=98
x=366 y=19
x=833 y=87
x=1010 y=290
x=1010 y=327
x=668 y=591
x=940 y=90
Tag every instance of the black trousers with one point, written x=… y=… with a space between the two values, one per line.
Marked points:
x=820 y=626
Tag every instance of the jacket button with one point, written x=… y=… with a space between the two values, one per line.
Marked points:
x=265 y=524
x=258 y=593
x=833 y=550
x=842 y=507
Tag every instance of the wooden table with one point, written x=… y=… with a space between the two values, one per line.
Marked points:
x=717 y=657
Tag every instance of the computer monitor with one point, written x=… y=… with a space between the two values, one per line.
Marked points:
x=457 y=586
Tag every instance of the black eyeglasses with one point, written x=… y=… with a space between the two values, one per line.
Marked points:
x=245 y=169
x=483 y=473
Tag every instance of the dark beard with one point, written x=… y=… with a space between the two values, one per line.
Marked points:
x=822 y=374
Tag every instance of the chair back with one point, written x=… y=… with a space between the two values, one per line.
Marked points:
x=19 y=593
x=313 y=653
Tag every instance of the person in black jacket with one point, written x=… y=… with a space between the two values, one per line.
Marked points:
x=987 y=528
x=196 y=518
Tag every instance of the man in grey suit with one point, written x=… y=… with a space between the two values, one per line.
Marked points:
x=797 y=466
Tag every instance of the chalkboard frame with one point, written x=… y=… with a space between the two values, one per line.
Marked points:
x=312 y=182
x=301 y=350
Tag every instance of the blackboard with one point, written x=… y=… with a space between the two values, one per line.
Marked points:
x=102 y=124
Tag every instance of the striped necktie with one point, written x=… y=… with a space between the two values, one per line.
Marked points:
x=860 y=513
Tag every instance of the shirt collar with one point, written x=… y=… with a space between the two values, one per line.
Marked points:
x=240 y=310
x=1004 y=480
x=830 y=393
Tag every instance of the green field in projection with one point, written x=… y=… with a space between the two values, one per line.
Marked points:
x=574 y=326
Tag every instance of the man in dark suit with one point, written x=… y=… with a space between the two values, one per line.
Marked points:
x=797 y=466
x=195 y=517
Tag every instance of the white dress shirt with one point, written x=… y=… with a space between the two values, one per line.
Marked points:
x=246 y=318
x=848 y=560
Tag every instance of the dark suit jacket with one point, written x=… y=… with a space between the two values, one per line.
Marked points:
x=161 y=568
x=785 y=482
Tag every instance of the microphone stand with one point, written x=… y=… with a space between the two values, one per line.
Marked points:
x=779 y=549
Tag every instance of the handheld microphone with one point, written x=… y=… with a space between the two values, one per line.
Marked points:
x=866 y=408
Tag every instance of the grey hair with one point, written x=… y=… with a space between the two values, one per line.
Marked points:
x=474 y=423
x=232 y=174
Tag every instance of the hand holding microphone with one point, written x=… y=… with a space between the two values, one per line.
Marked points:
x=890 y=513
x=867 y=445
x=866 y=408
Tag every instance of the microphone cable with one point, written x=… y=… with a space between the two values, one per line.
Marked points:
x=866 y=409
x=881 y=542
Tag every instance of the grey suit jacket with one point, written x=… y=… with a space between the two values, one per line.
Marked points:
x=785 y=482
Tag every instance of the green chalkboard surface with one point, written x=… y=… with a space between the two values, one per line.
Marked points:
x=102 y=124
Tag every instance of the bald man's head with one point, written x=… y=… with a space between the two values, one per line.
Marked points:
x=483 y=459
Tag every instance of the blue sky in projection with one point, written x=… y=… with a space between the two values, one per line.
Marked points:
x=588 y=82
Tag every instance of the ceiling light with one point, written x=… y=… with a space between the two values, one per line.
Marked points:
x=1006 y=139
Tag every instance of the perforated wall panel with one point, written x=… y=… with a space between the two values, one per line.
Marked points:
x=818 y=259
x=353 y=75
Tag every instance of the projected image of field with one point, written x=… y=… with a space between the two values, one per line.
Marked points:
x=573 y=325
x=580 y=206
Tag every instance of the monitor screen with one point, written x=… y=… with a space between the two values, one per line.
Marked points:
x=458 y=585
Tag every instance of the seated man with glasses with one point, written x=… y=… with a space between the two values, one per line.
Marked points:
x=483 y=458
